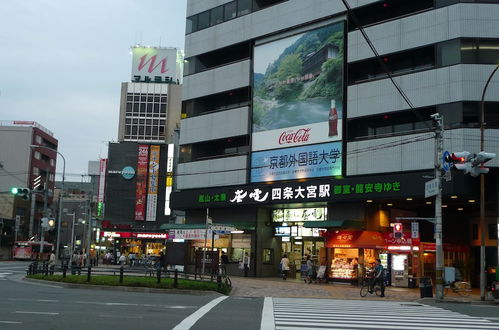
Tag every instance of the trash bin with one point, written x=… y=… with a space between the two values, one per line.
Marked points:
x=411 y=282
x=425 y=287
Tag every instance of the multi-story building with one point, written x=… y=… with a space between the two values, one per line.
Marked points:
x=139 y=166
x=21 y=163
x=294 y=133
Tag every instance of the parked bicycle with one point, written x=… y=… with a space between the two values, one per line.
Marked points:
x=368 y=286
x=460 y=287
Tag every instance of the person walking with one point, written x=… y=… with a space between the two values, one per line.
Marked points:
x=246 y=264
x=379 y=276
x=52 y=263
x=224 y=263
x=310 y=270
x=284 y=266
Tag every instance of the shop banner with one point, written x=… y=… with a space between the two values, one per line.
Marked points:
x=190 y=234
x=354 y=239
x=141 y=183
x=152 y=196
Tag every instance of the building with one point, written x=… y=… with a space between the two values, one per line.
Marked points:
x=320 y=160
x=138 y=171
x=20 y=165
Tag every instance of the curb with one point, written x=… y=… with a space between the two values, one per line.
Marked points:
x=456 y=301
x=126 y=288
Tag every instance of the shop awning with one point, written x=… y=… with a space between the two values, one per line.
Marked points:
x=351 y=224
x=239 y=226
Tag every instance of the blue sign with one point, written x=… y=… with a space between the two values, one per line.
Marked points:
x=128 y=172
x=310 y=161
x=445 y=165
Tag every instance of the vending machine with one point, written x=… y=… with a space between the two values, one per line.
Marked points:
x=400 y=270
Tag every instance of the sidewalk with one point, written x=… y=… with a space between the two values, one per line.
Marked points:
x=293 y=288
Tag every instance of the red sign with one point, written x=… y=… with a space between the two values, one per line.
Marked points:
x=301 y=135
x=125 y=234
x=446 y=246
x=141 y=183
x=354 y=239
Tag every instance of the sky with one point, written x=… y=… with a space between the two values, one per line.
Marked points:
x=62 y=63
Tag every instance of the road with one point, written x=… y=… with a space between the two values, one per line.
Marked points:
x=27 y=305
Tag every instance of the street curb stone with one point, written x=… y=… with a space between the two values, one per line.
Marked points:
x=126 y=288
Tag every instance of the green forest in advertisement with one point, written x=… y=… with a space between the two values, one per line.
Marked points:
x=297 y=78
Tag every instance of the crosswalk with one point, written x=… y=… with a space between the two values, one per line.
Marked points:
x=4 y=275
x=301 y=314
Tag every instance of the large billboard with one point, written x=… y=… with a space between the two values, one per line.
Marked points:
x=141 y=183
x=298 y=93
x=152 y=64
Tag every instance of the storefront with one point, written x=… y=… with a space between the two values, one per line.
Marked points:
x=454 y=256
x=402 y=259
x=138 y=243
x=297 y=239
x=349 y=253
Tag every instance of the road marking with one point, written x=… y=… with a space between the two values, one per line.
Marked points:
x=40 y=313
x=37 y=300
x=491 y=318
x=10 y=322
x=268 y=322
x=123 y=316
x=190 y=320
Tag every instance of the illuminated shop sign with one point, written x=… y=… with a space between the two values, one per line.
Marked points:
x=299 y=215
x=282 y=231
x=154 y=65
x=123 y=234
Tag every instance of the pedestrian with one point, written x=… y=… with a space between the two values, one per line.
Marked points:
x=225 y=262
x=379 y=276
x=246 y=264
x=122 y=259
x=284 y=266
x=310 y=270
x=52 y=263
x=131 y=258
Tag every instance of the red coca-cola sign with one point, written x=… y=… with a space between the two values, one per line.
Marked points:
x=300 y=135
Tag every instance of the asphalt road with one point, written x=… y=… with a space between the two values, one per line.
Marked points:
x=28 y=305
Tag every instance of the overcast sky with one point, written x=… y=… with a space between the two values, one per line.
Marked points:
x=62 y=63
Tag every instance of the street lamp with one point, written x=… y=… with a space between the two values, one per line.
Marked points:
x=60 y=197
x=482 y=190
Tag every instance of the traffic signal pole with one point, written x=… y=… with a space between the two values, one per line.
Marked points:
x=439 y=262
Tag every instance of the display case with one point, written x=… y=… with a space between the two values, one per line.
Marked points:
x=343 y=269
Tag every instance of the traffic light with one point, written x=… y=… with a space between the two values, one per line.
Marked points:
x=398 y=230
x=50 y=224
x=458 y=157
x=478 y=161
x=21 y=192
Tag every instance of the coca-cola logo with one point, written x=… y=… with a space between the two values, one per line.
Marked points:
x=301 y=135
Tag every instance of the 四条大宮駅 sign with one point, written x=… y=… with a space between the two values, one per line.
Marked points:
x=317 y=190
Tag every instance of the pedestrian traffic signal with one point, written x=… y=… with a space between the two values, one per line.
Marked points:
x=21 y=192
x=398 y=230
x=50 y=224
x=45 y=223
x=478 y=161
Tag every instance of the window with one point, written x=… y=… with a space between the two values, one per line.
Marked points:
x=474 y=231
x=36 y=171
x=217 y=15
x=38 y=155
x=52 y=162
x=51 y=177
x=492 y=231
x=204 y=20
x=191 y=24
x=38 y=139
x=268 y=256
x=243 y=7
x=230 y=10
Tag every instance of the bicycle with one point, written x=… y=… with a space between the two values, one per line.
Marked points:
x=460 y=287
x=367 y=287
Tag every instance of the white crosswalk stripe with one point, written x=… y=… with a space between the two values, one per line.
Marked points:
x=301 y=314
x=4 y=275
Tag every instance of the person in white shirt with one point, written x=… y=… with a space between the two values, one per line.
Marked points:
x=284 y=267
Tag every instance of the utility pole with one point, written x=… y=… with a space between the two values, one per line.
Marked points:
x=45 y=215
x=208 y=222
x=439 y=262
x=89 y=232
x=32 y=214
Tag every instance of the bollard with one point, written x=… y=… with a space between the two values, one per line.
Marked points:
x=158 y=275
x=46 y=268
x=64 y=270
x=89 y=272
x=219 y=281
x=30 y=269
x=121 y=274
x=175 y=279
x=35 y=267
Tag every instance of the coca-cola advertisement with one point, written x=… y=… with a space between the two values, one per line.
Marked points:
x=298 y=89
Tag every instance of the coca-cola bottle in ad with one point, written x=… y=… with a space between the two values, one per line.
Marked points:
x=333 y=119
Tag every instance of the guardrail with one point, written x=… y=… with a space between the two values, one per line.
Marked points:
x=63 y=269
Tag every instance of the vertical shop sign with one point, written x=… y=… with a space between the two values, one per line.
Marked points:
x=169 y=178
x=152 y=196
x=102 y=180
x=141 y=183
